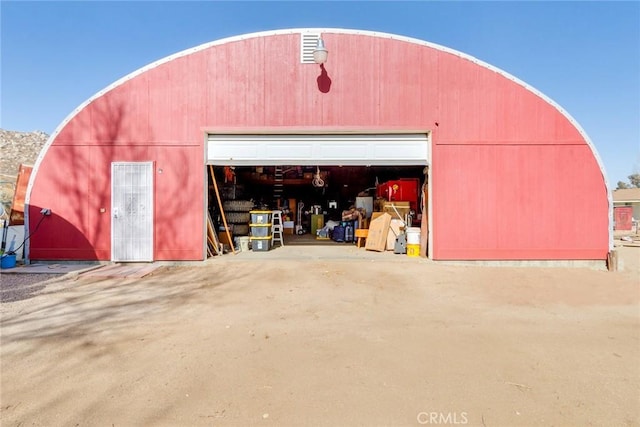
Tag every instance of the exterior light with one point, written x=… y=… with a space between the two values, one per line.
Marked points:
x=320 y=53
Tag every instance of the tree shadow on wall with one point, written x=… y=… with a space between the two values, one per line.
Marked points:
x=107 y=131
x=80 y=201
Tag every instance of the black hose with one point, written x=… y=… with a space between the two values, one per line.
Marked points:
x=29 y=236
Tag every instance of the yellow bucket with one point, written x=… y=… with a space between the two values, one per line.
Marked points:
x=413 y=250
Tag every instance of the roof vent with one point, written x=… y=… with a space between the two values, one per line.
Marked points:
x=308 y=43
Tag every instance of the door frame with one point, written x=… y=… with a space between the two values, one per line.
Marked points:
x=211 y=134
x=151 y=230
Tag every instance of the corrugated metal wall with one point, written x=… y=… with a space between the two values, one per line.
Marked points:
x=512 y=177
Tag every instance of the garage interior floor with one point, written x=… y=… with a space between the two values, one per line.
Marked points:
x=309 y=240
x=307 y=247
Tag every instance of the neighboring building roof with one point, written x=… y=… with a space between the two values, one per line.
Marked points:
x=627 y=195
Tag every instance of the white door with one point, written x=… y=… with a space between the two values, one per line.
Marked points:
x=131 y=211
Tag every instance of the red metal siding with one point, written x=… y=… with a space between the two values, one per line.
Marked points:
x=481 y=106
x=522 y=174
x=518 y=202
x=76 y=194
x=179 y=203
x=67 y=232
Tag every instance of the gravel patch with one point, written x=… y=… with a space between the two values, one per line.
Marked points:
x=18 y=287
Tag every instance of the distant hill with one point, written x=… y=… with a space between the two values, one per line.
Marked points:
x=16 y=148
x=19 y=147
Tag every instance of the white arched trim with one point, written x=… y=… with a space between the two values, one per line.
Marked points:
x=318 y=30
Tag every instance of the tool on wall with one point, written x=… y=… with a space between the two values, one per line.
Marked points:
x=317 y=179
x=299 y=228
x=424 y=219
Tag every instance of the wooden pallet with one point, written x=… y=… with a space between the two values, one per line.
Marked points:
x=122 y=271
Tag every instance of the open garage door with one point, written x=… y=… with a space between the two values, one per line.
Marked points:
x=328 y=149
x=316 y=180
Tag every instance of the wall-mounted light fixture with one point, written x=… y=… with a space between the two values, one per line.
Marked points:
x=320 y=53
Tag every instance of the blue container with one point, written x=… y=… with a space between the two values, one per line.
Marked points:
x=8 y=261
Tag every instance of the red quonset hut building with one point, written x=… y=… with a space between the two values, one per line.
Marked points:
x=511 y=175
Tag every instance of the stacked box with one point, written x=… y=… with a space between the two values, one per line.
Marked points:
x=288 y=227
x=260 y=217
x=260 y=230
x=260 y=244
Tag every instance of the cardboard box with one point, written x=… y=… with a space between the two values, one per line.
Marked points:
x=223 y=238
x=378 y=231
x=395 y=208
x=395 y=228
x=287 y=227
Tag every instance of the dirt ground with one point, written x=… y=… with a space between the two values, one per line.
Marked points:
x=335 y=338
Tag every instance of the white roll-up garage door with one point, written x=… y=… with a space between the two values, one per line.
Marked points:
x=310 y=150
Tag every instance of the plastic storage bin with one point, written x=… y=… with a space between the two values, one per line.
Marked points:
x=260 y=230
x=260 y=244
x=260 y=217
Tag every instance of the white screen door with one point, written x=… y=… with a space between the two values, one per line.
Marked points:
x=131 y=211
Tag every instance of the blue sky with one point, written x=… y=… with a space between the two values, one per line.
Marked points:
x=583 y=55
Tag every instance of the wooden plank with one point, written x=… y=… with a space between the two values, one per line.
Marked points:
x=122 y=271
x=424 y=221
x=612 y=260
x=142 y=271
x=224 y=218
x=16 y=216
x=212 y=238
x=101 y=271
x=400 y=212
x=378 y=231
x=375 y=215
x=128 y=271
